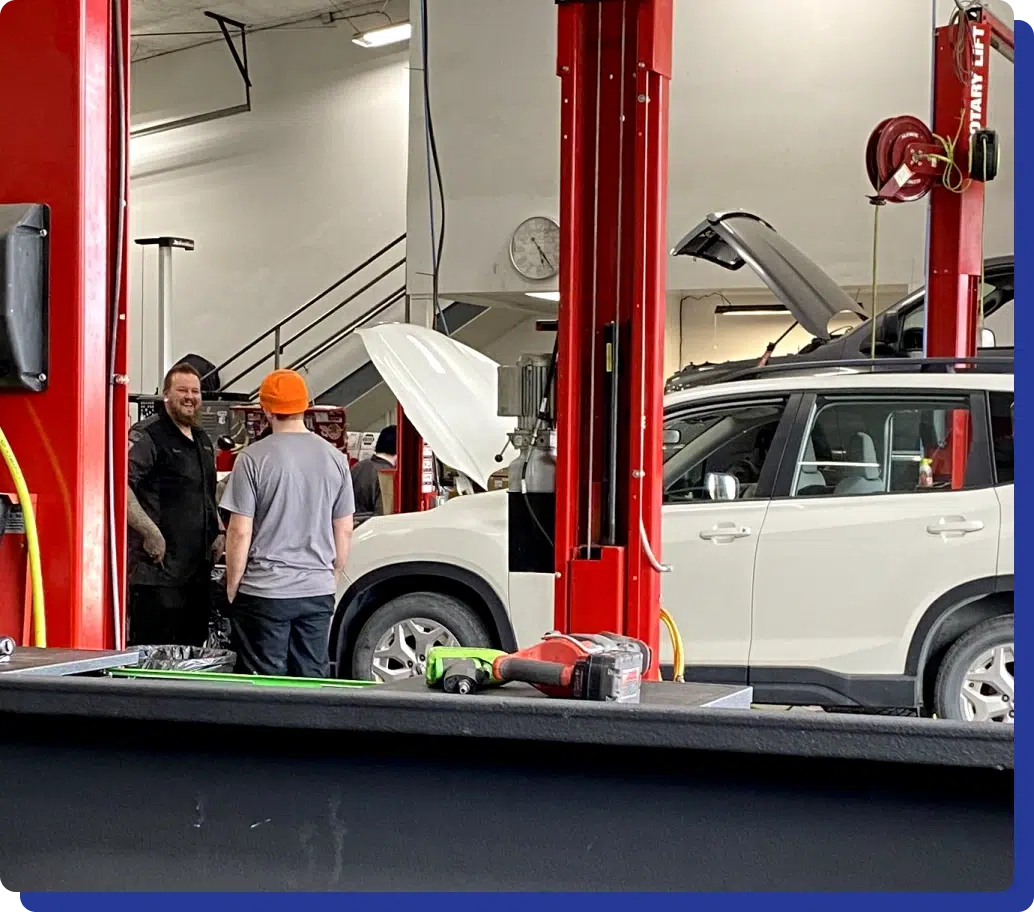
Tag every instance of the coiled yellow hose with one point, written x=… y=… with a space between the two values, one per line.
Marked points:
x=676 y=643
x=39 y=620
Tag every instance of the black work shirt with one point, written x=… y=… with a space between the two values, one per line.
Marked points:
x=173 y=479
x=366 y=486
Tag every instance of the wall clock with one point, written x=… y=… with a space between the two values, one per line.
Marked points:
x=535 y=248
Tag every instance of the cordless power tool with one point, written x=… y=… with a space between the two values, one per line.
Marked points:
x=598 y=667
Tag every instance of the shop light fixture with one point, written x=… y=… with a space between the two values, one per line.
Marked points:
x=390 y=34
x=751 y=310
x=553 y=296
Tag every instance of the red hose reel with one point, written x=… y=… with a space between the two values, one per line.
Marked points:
x=899 y=159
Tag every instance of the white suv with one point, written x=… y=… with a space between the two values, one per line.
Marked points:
x=846 y=573
x=843 y=571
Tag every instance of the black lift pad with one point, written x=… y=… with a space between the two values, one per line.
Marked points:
x=130 y=785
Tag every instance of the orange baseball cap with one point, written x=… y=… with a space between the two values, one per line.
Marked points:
x=284 y=392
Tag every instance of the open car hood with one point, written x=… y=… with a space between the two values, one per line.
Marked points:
x=736 y=239
x=449 y=393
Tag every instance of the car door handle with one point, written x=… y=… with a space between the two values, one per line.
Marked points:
x=955 y=525
x=725 y=532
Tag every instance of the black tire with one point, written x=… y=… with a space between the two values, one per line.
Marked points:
x=457 y=617
x=963 y=653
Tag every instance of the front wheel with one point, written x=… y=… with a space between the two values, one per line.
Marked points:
x=393 y=644
x=976 y=681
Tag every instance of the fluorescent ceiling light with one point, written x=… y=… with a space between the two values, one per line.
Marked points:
x=544 y=295
x=390 y=34
x=751 y=310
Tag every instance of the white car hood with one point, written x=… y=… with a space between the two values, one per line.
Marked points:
x=449 y=393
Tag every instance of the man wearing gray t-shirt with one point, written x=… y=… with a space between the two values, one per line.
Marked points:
x=291 y=512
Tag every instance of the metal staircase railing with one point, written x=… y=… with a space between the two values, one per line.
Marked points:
x=274 y=336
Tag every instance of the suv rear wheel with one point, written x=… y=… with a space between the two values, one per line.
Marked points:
x=976 y=681
x=393 y=644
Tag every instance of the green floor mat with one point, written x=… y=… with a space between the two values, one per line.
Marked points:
x=224 y=678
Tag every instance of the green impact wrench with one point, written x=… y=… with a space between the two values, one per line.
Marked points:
x=460 y=669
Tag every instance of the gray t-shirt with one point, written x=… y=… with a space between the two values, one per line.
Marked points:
x=294 y=486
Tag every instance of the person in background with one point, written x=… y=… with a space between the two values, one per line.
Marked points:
x=747 y=468
x=291 y=509
x=366 y=473
x=174 y=530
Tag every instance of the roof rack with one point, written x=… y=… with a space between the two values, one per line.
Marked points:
x=994 y=364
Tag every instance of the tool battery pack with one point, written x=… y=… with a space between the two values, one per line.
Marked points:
x=611 y=677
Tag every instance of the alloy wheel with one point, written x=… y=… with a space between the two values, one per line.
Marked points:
x=989 y=690
x=402 y=651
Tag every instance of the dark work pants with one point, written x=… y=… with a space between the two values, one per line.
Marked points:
x=282 y=637
x=169 y=615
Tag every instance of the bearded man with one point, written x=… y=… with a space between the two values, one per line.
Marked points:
x=175 y=534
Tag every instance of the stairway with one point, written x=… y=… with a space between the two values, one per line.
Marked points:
x=366 y=396
x=319 y=338
x=366 y=379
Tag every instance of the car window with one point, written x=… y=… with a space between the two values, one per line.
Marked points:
x=1002 y=436
x=915 y=319
x=884 y=446
x=913 y=323
x=727 y=440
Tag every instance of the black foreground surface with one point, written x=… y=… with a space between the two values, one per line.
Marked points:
x=107 y=786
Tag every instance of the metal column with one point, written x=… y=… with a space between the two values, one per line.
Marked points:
x=68 y=155
x=414 y=466
x=956 y=222
x=614 y=63
x=165 y=247
x=961 y=96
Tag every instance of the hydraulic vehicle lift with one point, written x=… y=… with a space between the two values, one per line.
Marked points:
x=614 y=64
x=138 y=785
x=952 y=162
x=67 y=149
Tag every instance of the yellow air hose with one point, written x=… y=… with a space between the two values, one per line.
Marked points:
x=679 y=661
x=39 y=621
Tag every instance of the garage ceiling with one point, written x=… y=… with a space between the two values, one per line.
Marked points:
x=163 y=26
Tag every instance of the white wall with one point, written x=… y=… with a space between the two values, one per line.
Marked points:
x=695 y=334
x=772 y=106
x=523 y=339
x=281 y=201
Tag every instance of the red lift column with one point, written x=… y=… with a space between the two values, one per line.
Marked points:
x=60 y=125
x=614 y=62
x=957 y=219
x=414 y=489
x=956 y=254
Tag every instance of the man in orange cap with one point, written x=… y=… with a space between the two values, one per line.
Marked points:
x=291 y=509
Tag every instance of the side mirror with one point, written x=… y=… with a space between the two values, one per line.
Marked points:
x=722 y=487
x=987 y=338
x=888 y=331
